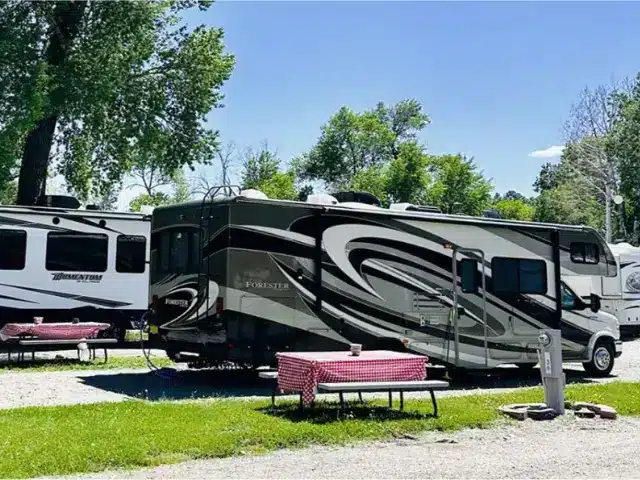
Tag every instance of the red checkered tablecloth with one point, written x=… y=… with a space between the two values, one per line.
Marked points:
x=52 y=331
x=302 y=371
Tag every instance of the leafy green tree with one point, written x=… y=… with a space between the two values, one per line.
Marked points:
x=373 y=180
x=102 y=81
x=8 y=193
x=156 y=199
x=281 y=186
x=567 y=205
x=258 y=166
x=515 y=209
x=351 y=141
x=457 y=185
x=408 y=175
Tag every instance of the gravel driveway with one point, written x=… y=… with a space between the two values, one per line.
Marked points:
x=563 y=448
x=74 y=387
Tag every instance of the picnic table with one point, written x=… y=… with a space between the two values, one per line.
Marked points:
x=303 y=371
x=32 y=337
x=52 y=331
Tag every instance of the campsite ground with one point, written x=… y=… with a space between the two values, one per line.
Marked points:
x=577 y=448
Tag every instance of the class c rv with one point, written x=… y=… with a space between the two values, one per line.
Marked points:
x=620 y=294
x=60 y=262
x=239 y=277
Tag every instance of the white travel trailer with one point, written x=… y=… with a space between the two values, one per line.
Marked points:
x=65 y=263
x=240 y=277
x=620 y=294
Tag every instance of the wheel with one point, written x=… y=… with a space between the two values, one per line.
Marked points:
x=602 y=361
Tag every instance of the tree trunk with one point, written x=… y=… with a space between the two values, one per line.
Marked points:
x=607 y=213
x=67 y=17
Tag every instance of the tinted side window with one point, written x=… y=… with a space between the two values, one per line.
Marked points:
x=504 y=275
x=585 y=253
x=13 y=249
x=469 y=275
x=519 y=275
x=130 y=254
x=77 y=252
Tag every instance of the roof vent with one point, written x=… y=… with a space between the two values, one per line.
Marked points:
x=92 y=207
x=253 y=193
x=357 y=197
x=322 y=199
x=409 y=207
x=58 y=201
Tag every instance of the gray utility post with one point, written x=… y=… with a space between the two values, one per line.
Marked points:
x=553 y=380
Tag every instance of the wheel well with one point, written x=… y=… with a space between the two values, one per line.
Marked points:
x=388 y=343
x=607 y=340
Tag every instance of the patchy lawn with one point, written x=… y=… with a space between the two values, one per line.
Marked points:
x=61 y=364
x=83 y=438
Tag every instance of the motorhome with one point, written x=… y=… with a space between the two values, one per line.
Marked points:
x=61 y=263
x=620 y=294
x=239 y=277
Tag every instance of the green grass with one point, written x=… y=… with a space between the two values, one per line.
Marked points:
x=62 y=364
x=84 y=438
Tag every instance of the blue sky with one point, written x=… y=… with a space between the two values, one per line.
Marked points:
x=497 y=78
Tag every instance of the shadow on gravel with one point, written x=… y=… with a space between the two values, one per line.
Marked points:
x=513 y=378
x=323 y=413
x=192 y=384
x=182 y=385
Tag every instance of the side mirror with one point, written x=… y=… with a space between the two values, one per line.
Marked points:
x=595 y=303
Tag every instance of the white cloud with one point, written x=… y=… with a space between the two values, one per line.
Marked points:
x=551 y=152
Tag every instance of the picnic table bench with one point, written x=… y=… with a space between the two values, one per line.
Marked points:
x=36 y=345
x=376 y=386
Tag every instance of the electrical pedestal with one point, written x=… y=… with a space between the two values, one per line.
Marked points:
x=553 y=379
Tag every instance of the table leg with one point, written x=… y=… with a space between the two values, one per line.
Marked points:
x=390 y=400
x=33 y=356
x=435 y=405
x=401 y=400
x=360 y=397
x=341 y=400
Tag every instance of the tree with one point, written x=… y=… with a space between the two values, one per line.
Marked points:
x=9 y=193
x=625 y=143
x=207 y=177
x=351 y=141
x=372 y=180
x=587 y=155
x=258 y=166
x=548 y=178
x=281 y=186
x=515 y=209
x=457 y=186
x=156 y=199
x=102 y=81
x=407 y=175
x=566 y=205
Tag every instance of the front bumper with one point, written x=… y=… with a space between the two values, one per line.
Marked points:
x=618 y=347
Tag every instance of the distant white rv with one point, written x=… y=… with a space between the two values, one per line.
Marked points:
x=620 y=294
x=65 y=263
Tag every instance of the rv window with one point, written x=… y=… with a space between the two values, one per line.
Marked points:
x=585 y=253
x=469 y=275
x=518 y=275
x=131 y=253
x=13 y=245
x=179 y=256
x=77 y=252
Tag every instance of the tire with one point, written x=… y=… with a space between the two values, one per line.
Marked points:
x=602 y=360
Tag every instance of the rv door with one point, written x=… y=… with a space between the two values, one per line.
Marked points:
x=472 y=276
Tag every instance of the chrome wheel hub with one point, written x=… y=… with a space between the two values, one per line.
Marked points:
x=601 y=358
